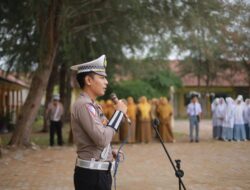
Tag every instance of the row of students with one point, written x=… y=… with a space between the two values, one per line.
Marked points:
x=231 y=119
x=141 y=115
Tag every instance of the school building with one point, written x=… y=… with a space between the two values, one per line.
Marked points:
x=228 y=83
x=13 y=93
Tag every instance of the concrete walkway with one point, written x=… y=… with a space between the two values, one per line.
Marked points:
x=208 y=165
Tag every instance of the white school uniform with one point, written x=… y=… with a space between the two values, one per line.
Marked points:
x=228 y=123
x=214 y=110
x=239 y=127
x=221 y=113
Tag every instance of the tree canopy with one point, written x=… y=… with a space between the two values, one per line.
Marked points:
x=36 y=36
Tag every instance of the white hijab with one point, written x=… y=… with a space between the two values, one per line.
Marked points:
x=221 y=107
x=246 y=112
x=214 y=104
x=230 y=108
x=239 y=107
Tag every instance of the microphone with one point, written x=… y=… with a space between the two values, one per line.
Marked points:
x=115 y=100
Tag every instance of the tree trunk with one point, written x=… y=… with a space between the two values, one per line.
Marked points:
x=246 y=65
x=70 y=138
x=65 y=93
x=49 y=93
x=68 y=105
x=65 y=90
x=68 y=97
x=62 y=82
x=49 y=25
x=248 y=73
x=199 y=71
x=0 y=147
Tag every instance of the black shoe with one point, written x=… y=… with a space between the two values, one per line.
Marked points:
x=197 y=141
x=191 y=140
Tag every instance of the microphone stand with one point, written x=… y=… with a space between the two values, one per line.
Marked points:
x=117 y=160
x=178 y=172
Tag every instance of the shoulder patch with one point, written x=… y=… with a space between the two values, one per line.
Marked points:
x=91 y=110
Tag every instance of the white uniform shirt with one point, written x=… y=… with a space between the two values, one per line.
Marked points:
x=56 y=116
x=194 y=109
x=238 y=114
x=55 y=112
x=246 y=113
x=221 y=113
x=229 y=117
x=214 y=109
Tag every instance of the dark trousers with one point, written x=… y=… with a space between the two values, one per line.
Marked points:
x=86 y=179
x=56 y=127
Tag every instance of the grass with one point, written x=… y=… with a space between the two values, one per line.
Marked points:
x=39 y=138
x=42 y=139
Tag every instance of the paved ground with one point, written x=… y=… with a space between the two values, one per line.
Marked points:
x=208 y=165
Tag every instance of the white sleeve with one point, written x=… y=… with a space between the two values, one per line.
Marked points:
x=188 y=109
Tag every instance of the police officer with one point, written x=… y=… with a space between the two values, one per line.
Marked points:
x=91 y=131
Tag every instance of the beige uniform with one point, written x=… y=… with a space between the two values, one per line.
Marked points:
x=90 y=132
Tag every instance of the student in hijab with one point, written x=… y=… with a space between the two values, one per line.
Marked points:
x=246 y=117
x=220 y=114
x=165 y=112
x=228 y=123
x=214 y=109
x=128 y=130
x=144 y=120
x=239 y=128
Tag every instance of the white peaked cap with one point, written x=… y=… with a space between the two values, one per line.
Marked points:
x=56 y=97
x=98 y=66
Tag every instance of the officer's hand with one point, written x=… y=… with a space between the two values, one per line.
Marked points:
x=121 y=154
x=121 y=106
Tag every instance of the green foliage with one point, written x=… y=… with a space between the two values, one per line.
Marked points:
x=110 y=27
x=18 y=36
x=117 y=28
x=135 y=88
x=155 y=85
x=237 y=45
x=148 y=77
x=163 y=80
x=213 y=33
